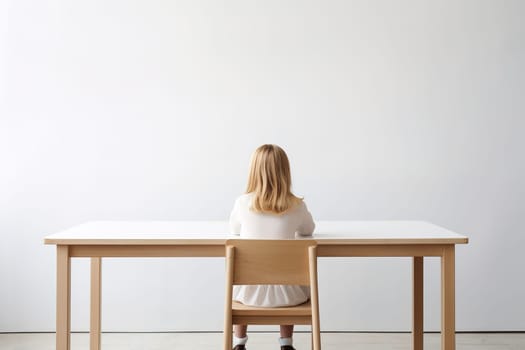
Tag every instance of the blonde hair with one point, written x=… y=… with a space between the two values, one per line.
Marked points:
x=270 y=181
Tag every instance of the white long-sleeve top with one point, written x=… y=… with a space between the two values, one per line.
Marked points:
x=296 y=221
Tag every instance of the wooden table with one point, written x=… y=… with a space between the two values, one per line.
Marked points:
x=100 y=239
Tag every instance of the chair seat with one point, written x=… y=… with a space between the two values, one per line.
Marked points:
x=239 y=309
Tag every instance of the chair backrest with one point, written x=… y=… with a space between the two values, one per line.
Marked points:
x=257 y=261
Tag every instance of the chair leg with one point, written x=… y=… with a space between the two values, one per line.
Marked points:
x=228 y=339
x=316 y=338
x=228 y=329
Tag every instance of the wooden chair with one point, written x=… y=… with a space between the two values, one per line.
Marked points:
x=292 y=262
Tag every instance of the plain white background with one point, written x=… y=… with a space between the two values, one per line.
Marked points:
x=139 y=110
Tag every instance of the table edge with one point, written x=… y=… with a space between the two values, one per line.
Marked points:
x=221 y=241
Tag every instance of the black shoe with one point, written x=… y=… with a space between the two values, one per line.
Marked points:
x=287 y=347
x=239 y=347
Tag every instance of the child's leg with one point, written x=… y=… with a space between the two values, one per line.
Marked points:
x=239 y=336
x=240 y=330
x=286 y=331
x=286 y=335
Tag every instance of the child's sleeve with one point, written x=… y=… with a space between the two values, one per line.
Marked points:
x=235 y=220
x=307 y=224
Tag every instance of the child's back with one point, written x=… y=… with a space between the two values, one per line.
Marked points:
x=251 y=224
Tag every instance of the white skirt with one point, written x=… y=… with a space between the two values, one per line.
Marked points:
x=271 y=295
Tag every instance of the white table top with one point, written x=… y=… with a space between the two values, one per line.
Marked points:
x=216 y=232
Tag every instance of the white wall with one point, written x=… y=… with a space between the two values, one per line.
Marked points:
x=150 y=110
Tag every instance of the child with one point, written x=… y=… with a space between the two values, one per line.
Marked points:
x=269 y=209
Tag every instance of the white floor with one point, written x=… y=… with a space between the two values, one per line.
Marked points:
x=260 y=341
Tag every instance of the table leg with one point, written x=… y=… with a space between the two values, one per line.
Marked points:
x=94 y=331
x=63 y=316
x=448 y=322
x=417 y=303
